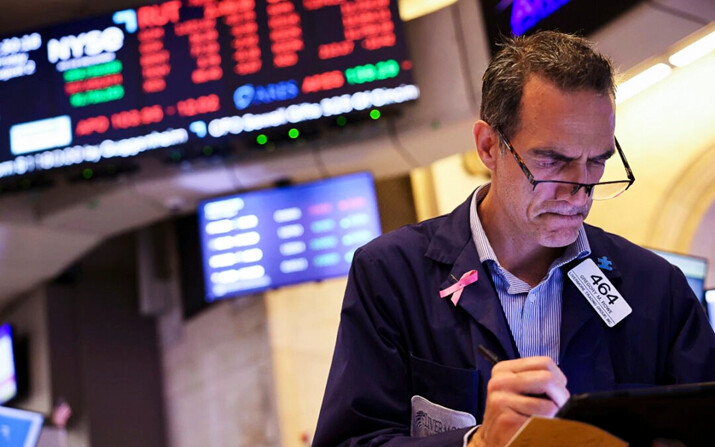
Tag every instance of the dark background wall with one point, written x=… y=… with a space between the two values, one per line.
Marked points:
x=104 y=356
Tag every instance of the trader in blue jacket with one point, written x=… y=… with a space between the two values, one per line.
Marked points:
x=568 y=307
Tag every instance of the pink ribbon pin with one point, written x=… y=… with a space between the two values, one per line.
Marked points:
x=456 y=289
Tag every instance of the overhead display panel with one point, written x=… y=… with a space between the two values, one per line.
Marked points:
x=182 y=71
x=275 y=237
x=519 y=17
x=8 y=376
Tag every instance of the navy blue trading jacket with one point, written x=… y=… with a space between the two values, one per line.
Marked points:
x=398 y=338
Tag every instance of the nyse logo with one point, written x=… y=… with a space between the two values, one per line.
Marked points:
x=91 y=43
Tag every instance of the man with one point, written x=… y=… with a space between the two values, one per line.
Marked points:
x=495 y=272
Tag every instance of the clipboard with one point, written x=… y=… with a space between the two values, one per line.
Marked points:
x=683 y=412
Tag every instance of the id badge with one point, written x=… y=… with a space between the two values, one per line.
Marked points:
x=605 y=299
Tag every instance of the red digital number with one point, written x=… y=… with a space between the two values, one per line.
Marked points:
x=88 y=126
x=154 y=85
x=137 y=117
x=196 y=106
x=323 y=81
x=202 y=75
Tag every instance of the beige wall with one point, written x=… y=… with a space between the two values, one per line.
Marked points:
x=218 y=380
x=303 y=323
x=668 y=135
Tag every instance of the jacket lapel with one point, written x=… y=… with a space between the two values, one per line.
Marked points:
x=575 y=309
x=481 y=301
x=584 y=351
x=453 y=244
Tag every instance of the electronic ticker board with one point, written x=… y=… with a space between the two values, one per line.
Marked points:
x=182 y=71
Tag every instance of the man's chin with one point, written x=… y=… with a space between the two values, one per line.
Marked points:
x=561 y=235
x=558 y=240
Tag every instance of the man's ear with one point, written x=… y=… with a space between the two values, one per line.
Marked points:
x=487 y=141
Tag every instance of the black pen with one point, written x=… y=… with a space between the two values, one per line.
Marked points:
x=488 y=355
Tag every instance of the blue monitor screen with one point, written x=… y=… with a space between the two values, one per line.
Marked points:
x=19 y=428
x=8 y=379
x=265 y=239
x=710 y=305
x=694 y=269
x=517 y=17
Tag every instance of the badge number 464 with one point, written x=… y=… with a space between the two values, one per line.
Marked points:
x=604 y=288
x=605 y=299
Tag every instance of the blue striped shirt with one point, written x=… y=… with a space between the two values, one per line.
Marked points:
x=533 y=314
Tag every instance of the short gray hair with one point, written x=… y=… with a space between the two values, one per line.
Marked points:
x=568 y=61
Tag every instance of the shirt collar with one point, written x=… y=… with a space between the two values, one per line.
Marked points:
x=580 y=248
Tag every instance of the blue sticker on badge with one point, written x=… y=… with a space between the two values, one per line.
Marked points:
x=605 y=264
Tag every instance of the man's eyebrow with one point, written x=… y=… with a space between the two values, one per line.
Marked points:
x=557 y=155
x=608 y=153
x=550 y=153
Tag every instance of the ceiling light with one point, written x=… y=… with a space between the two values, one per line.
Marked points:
x=694 y=51
x=641 y=81
x=412 y=9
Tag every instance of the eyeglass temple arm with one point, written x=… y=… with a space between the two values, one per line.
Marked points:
x=519 y=161
x=629 y=171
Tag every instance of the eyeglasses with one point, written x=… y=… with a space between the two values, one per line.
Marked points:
x=597 y=191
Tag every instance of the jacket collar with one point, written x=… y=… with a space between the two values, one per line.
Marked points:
x=452 y=235
x=601 y=252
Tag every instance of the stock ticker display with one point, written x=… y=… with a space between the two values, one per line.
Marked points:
x=276 y=237
x=183 y=71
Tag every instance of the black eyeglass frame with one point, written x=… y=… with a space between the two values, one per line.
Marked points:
x=588 y=187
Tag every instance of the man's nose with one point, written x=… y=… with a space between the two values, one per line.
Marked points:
x=576 y=194
x=578 y=172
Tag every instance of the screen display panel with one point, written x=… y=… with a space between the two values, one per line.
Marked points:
x=693 y=267
x=275 y=237
x=710 y=305
x=519 y=17
x=8 y=377
x=20 y=428
x=183 y=71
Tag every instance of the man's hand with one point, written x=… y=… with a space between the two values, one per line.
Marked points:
x=532 y=386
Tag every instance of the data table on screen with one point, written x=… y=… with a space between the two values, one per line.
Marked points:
x=275 y=237
x=178 y=72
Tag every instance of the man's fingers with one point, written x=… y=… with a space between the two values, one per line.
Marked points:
x=525 y=405
x=518 y=389
x=537 y=382
x=530 y=364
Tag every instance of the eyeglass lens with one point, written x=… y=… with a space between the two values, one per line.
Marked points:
x=600 y=191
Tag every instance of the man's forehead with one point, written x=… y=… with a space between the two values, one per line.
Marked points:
x=538 y=89
x=546 y=109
